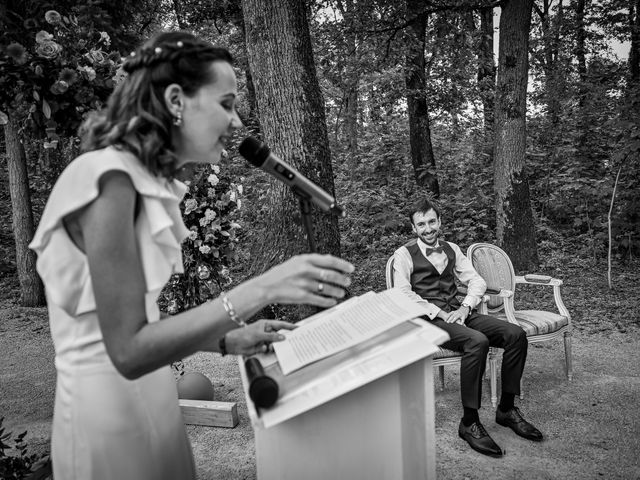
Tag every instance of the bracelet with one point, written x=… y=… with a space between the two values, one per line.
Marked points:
x=228 y=306
x=222 y=345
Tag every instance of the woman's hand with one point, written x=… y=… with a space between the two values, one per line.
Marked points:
x=312 y=279
x=256 y=337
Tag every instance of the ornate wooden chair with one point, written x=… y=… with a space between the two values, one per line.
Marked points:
x=495 y=266
x=445 y=356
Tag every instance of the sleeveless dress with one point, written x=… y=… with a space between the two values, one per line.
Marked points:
x=105 y=426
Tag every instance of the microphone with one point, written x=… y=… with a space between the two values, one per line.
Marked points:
x=259 y=155
x=263 y=390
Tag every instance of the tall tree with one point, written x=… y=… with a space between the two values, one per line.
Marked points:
x=31 y=288
x=487 y=78
x=291 y=111
x=634 y=51
x=514 y=217
x=422 y=157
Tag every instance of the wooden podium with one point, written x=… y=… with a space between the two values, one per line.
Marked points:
x=364 y=413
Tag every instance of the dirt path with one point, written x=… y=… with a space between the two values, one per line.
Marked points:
x=591 y=425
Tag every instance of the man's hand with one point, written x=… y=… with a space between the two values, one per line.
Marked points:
x=457 y=316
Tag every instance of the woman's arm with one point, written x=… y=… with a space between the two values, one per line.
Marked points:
x=137 y=347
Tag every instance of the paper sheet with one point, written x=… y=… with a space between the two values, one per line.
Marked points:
x=348 y=324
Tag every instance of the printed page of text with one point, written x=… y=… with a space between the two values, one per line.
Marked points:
x=340 y=328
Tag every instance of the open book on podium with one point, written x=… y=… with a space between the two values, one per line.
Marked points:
x=341 y=349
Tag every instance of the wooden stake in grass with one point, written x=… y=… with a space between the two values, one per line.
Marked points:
x=613 y=196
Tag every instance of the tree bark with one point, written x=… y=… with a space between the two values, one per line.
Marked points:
x=422 y=157
x=514 y=217
x=292 y=118
x=352 y=77
x=634 y=52
x=31 y=288
x=487 y=79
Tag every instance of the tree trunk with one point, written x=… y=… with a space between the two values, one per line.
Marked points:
x=514 y=218
x=179 y=11
x=31 y=288
x=292 y=118
x=422 y=158
x=487 y=79
x=351 y=17
x=634 y=52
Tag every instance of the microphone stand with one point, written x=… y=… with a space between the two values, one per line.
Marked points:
x=305 y=212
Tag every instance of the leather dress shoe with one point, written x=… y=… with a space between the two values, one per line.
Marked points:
x=478 y=438
x=513 y=419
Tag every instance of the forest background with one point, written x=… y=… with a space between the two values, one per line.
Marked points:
x=533 y=145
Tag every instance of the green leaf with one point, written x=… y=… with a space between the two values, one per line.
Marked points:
x=46 y=109
x=36 y=96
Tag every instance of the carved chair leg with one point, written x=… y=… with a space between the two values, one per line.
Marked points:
x=567 y=355
x=493 y=374
x=441 y=369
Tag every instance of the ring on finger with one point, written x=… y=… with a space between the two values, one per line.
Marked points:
x=320 y=287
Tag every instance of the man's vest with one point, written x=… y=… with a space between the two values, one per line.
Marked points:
x=436 y=288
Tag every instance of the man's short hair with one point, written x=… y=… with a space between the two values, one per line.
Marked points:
x=422 y=205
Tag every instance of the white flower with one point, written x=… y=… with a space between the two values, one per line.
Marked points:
x=239 y=203
x=232 y=196
x=193 y=235
x=216 y=169
x=190 y=205
x=213 y=179
x=205 y=249
x=43 y=36
x=209 y=214
x=88 y=72
x=104 y=37
x=240 y=189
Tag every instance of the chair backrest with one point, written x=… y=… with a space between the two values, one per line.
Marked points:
x=389 y=272
x=389 y=269
x=495 y=267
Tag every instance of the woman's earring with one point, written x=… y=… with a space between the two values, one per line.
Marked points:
x=177 y=119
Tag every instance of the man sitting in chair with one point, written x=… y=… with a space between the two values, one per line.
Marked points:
x=426 y=269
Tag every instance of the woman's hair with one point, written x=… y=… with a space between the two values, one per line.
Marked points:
x=136 y=117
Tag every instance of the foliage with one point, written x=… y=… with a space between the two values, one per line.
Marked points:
x=55 y=68
x=208 y=209
x=23 y=465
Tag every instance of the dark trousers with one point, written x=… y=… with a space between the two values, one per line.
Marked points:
x=474 y=339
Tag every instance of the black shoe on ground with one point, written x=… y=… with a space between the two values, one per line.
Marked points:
x=478 y=438
x=513 y=419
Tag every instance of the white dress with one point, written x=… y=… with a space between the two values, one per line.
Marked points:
x=105 y=426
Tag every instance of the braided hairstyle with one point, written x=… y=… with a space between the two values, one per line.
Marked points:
x=136 y=117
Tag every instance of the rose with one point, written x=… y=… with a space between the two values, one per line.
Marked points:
x=213 y=179
x=96 y=56
x=205 y=249
x=59 y=87
x=48 y=49
x=43 y=36
x=88 y=72
x=52 y=17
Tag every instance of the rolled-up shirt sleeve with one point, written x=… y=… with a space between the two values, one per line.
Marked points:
x=402 y=269
x=464 y=271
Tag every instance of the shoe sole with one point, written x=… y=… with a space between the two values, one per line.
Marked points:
x=483 y=452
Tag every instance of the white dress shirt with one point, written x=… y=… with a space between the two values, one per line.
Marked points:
x=463 y=271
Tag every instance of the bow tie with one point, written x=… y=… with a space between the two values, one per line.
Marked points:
x=428 y=251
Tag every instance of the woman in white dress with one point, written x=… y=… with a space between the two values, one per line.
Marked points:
x=108 y=241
